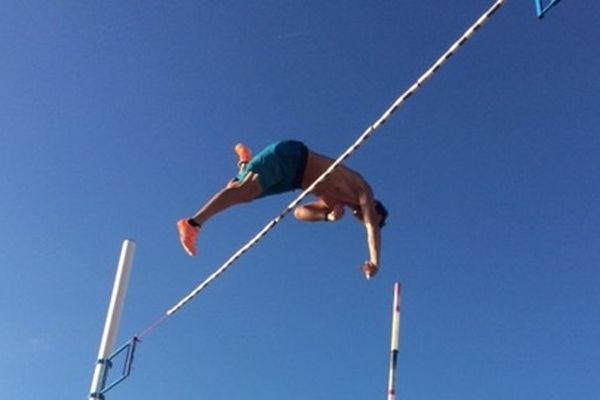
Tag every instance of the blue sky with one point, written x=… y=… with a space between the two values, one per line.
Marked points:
x=118 y=118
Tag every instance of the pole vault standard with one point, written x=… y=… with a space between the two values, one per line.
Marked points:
x=391 y=395
x=113 y=317
x=542 y=9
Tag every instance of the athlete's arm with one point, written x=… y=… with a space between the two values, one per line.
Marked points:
x=369 y=218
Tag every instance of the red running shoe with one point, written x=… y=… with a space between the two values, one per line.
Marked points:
x=243 y=153
x=187 y=236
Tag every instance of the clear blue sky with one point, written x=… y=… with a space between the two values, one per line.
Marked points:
x=118 y=118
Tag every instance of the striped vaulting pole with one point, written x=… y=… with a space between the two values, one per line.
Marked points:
x=394 y=344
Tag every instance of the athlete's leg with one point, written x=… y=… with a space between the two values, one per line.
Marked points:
x=234 y=193
x=319 y=211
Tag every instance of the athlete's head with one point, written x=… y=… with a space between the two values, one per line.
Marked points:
x=379 y=209
x=383 y=213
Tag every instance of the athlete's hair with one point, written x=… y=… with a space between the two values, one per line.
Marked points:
x=382 y=212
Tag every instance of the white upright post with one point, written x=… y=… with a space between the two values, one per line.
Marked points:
x=113 y=317
x=391 y=395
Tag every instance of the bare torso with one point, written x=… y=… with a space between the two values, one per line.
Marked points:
x=342 y=186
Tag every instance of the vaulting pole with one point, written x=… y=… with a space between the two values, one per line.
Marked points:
x=113 y=317
x=394 y=343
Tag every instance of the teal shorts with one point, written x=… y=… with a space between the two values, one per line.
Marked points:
x=280 y=167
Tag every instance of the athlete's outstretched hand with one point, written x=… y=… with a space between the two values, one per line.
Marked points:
x=369 y=269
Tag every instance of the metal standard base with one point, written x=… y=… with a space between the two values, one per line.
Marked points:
x=107 y=364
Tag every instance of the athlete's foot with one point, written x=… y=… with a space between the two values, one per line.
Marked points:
x=187 y=236
x=243 y=153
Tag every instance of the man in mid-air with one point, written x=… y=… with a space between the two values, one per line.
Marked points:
x=285 y=166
